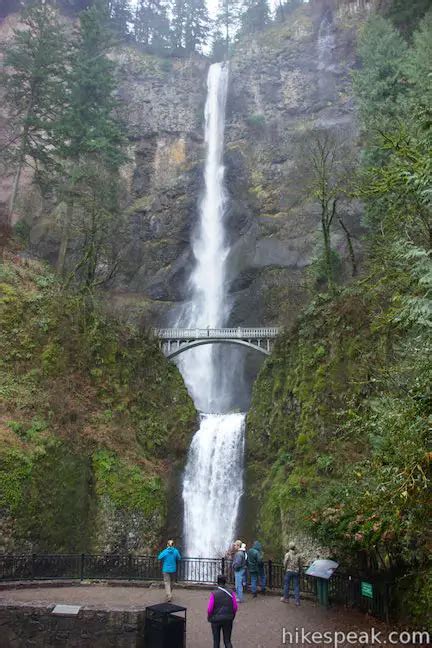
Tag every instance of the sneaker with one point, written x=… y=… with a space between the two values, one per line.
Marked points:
x=254 y=595
x=284 y=600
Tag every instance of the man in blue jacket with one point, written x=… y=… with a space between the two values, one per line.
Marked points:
x=169 y=558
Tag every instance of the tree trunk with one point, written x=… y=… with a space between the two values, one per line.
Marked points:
x=21 y=158
x=17 y=177
x=327 y=255
x=61 y=259
x=350 y=246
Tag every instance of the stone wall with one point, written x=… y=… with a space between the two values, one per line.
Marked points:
x=35 y=625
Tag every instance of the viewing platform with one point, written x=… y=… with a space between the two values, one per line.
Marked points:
x=174 y=341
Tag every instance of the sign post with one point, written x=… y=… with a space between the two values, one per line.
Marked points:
x=322 y=570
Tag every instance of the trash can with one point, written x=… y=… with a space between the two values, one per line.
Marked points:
x=165 y=626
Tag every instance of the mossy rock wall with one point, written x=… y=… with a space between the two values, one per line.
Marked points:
x=338 y=442
x=93 y=422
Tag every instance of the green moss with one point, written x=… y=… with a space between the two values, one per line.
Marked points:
x=56 y=510
x=93 y=411
x=126 y=485
x=140 y=205
x=15 y=471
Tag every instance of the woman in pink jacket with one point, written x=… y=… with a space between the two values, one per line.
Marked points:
x=221 y=610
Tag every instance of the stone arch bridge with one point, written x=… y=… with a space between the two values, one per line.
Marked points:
x=174 y=341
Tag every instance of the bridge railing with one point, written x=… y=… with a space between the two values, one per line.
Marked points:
x=344 y=589
x=197 y=333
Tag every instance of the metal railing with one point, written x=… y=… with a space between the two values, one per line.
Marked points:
x=227 y=333
x=344 y=589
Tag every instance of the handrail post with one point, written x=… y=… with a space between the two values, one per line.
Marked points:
x=82 y=561
x=270 y=574
x=33 y=562
x=130 y=566
x=222 y=565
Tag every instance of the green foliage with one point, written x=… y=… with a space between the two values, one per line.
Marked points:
x=416 y=599
x=406 y=16
x=345 y=401
x=318 y=270
x=256 y=121
x=22 y=232
x=55 y=512
x=15 y=470
x=92 y=409
x=33 y=77
x=255 y=16
x=89 y=124
x=151 y=25
x=127 y=486
x=380 y=83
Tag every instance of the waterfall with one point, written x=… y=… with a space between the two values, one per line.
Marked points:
x=326 y=43
x=213 y=479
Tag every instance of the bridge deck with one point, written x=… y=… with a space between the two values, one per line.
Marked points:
x=226 y=333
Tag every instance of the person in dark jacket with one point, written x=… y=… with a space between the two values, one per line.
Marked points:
x=221 y=610
x=256 y=568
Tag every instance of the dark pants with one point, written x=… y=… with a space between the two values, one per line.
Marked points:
x=226 y=627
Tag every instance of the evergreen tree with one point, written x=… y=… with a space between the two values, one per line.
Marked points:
x=151 y=25
x=380 y=83
x=218 y=46
x=121 y=17
x=255 y=16
x=189 y=25
x=196 y=24
x=92 y=135
x=227 y=20
x=34 y=81
x=74 y=7
x=418 y=69
x=406 y=15
x=178 y=22
x=284 y=9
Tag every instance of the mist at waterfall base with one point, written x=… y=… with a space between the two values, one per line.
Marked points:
x=213 y=479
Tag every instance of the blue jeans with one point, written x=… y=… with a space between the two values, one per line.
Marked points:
x=245 y=578
x=238 y=576
x=254 y=582
x=296 y=581
x=262 y=577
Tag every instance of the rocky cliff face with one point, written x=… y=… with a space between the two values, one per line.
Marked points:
x=285 y=83
x=291 y=82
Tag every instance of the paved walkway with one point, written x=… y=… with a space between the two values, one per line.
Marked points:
x=259 y=623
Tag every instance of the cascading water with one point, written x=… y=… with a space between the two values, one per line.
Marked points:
x=326 y=43
x=213 y=478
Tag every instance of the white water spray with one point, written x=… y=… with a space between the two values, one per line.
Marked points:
x=213 y=479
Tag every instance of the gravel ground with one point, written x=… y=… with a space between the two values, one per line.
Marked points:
x=259 y=623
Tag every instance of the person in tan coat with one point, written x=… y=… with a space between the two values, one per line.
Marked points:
x=293 y=563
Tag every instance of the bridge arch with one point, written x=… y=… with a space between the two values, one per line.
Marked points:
x=199 y=342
